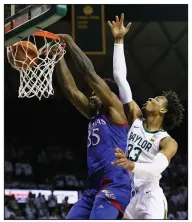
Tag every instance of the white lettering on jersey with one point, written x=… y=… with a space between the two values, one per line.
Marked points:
x=97 y=122
x=142 y=147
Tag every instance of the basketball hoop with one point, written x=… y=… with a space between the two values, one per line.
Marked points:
x=36 y=80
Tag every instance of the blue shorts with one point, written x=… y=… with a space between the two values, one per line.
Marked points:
x=109 y=203
x=92 y=207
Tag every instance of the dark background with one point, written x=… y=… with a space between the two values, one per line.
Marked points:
x=156 y=51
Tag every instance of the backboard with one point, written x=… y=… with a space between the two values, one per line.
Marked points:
x=30 y=19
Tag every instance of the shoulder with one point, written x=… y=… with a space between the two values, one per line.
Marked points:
x=168 y=143
x=115 y=124
x=168 y=147
x=138 y=122
x=116 y=116
x=132 y=109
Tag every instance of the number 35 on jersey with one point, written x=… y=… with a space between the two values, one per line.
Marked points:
x=93 y=137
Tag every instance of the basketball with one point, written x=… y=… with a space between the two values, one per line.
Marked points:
x=22 y=55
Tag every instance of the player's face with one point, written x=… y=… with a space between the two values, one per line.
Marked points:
x=94 y=102
x=156 y=105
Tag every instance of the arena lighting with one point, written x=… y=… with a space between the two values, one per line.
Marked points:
x=22 y=195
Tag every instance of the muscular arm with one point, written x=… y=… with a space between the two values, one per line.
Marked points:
x=131 y=108
x=168 y=148
x=160 y=162
x=85 y=66
x=76 y=97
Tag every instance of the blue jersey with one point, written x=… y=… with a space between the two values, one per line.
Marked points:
x=103 y=138
x=106 y=183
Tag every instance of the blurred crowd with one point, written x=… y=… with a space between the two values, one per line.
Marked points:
x=36 y=208
x=57 y=167
x=174 y=183
x=41 y=167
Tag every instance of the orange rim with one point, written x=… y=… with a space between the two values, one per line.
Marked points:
x=46 y=34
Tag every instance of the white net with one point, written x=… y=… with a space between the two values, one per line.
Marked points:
x=36 y=73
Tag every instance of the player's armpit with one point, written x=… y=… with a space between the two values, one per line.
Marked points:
x=168 y=146
x=132 y=111
x=79 y=100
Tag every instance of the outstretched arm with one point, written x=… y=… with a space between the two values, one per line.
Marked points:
x=157 y=166
x=86 y=68
x=132 y=110
x=76 y=97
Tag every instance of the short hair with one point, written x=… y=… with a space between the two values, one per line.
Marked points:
x=113 y=86
x=174 y=115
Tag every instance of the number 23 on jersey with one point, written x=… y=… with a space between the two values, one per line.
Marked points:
x=133 y=153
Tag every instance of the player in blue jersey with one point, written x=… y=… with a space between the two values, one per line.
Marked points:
x=107 y=186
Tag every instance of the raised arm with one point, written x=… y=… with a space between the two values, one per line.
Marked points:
x=85 y=66
x=76 y=97
x=131 y=108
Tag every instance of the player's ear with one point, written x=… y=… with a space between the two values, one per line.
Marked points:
x=163 y=110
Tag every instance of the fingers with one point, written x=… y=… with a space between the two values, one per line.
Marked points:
x=120 y=155
x=119 y=22
x=122 y=18
x=128 y=26
x=109 y=23
x=118 y=150
x=120 y=162
x=121 y=158
x=117 y=19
